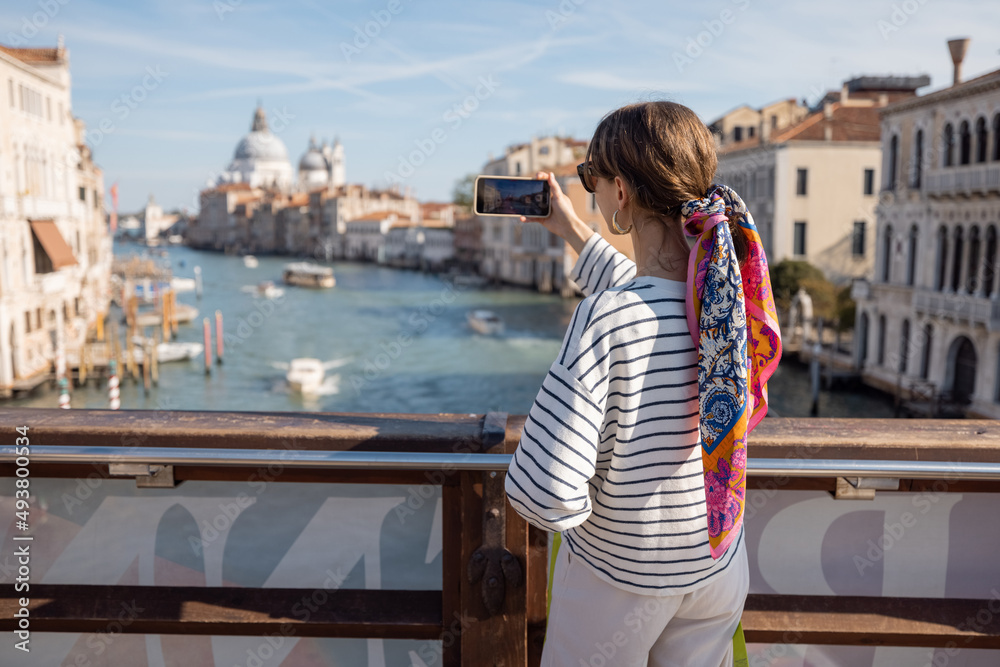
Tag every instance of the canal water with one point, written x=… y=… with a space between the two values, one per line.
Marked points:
x=392 y=341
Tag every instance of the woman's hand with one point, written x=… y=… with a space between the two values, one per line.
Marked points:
x=563 y=220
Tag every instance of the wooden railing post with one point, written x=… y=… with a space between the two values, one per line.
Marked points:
x=494 y=553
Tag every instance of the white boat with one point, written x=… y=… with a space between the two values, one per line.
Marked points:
x=305 y=375
x=167 y=352
x=175 y=239
x=268 y=290
x=250 y=261
x=179 y=284
x=151 y=318
x=485 y=322
x=307 y=274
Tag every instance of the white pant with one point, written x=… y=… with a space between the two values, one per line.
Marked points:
x=594 y=624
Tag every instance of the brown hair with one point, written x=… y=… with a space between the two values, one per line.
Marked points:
x=665 y=154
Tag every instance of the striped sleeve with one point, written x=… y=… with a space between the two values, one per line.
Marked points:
x=600 y=266
x=549 y=479
x=548 y=482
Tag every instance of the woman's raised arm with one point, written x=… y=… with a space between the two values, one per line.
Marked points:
x=599 y=265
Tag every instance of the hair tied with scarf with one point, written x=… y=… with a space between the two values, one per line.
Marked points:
x=733 y=321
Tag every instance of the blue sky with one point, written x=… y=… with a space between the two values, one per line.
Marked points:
x=403 y=96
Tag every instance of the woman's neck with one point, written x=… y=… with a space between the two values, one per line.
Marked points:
x=659 y=254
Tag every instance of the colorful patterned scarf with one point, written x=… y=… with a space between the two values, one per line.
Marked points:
x=727 y=307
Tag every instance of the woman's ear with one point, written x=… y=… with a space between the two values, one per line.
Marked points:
x=621 y=192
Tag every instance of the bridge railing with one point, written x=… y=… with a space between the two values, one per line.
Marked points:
x=490 y=609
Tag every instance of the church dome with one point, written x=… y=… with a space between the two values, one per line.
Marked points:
x=260 y=143
x=313 y=159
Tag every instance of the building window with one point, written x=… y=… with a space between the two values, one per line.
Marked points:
x=990 y=260
x=956 y=268
x=918 y=160
x=517 y=168
x=737 y=133
x=904 y=352
x=972 y=277
x=996 y=137
x=982 y=140
x=890 y=183
x=800 y=239
x=942 y=258
x=925 y=361
x=83 y=193
x=858 y=239
x=887 y=255
x=774 y=122
x=750 y=132
x=869 y=181
x=544 y=150
x=965 y=143
x=27 y=322
x=881 y=340
x=949 y=145
x=911 y=264
x=801 y=178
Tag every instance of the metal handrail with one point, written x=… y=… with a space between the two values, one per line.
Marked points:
x=787 y=467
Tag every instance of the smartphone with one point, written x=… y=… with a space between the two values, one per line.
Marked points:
x=512 y=195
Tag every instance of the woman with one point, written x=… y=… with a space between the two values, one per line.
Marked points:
x=635 y=448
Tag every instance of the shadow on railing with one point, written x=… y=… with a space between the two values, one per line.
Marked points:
x=491 y=607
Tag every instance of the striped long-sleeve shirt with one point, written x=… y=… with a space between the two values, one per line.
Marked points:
x=610 y=454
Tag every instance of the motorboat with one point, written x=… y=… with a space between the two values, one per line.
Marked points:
x=151 y=318
x=250 y=261
x=485 y=322
x=305 y=375
x=179 y=284
x=167 y=351
x=268 y=290
x=307 y=274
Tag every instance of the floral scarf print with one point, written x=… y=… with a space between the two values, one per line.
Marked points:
x=732 y=318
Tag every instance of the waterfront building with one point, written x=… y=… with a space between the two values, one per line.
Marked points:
x=809 y=176
x=929 y=320
x=55 y=249
x=468 y=241
x=427 y=245
x=365 y=235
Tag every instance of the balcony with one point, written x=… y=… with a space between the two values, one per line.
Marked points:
x=964 y=181
x=965 y=308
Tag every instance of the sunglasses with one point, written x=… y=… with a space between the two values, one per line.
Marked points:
x=582 y=170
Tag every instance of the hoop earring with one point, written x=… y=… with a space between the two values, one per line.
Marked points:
x=614 y=224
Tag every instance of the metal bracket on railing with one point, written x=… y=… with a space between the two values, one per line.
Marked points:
x=146 y=475
x=863 y=488
x=492 y=563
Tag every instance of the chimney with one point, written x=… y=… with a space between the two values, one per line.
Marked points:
x=957 y=48
x=843 y=93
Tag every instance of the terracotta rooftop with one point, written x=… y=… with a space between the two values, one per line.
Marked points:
x=847 y=123
x=33 y=55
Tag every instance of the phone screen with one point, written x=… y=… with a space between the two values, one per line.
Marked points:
x=512 y=196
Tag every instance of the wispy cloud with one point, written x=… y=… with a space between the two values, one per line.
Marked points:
x=610 y=81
